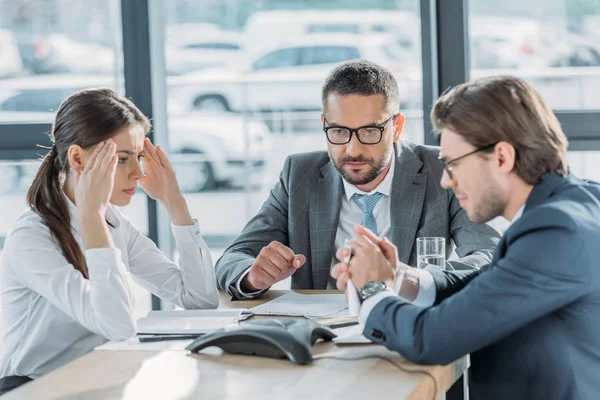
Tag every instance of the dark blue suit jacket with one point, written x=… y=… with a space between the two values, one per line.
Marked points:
x=531 y=318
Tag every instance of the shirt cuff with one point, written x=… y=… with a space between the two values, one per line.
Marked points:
x=100 y=262
x=427 y=290
x=238 y=287
x=369 y=304
x=188 y=233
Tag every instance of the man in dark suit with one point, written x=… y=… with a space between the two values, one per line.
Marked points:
x=530 y=318
x=368 y=175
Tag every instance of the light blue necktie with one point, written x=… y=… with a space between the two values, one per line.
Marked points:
x=367 y=204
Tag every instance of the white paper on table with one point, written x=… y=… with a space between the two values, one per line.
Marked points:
x=188 y=321
x=339 y=314
x=353 y=335
x=303 y=305
x=133 y=344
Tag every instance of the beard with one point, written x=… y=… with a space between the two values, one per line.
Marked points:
x=491 y=204
x=375 y=167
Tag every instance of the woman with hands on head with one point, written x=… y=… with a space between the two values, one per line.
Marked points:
x=69 y=259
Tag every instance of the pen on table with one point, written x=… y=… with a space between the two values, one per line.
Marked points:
x=343 y=324
x=162 y=338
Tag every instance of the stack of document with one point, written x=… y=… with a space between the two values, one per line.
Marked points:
x=168 y=325
x=189 y=321
x=305 y=305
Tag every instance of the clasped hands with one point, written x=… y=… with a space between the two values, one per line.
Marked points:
x=374 y=259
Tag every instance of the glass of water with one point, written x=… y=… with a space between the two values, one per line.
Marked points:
x=431 y=250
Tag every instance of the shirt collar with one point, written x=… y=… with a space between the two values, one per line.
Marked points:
x=111 y=215
x=385 y=187
x=518 y=214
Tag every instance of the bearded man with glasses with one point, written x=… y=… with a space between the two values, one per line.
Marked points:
x=367 y=176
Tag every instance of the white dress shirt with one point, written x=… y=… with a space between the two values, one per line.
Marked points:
x=53 y=315
x=351 y=215
x=427 y=290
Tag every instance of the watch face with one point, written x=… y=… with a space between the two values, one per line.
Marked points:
x=371 y=289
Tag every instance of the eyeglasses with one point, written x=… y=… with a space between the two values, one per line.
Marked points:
x=448 y=164
x=365 y=134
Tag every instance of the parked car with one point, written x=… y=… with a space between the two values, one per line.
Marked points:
x=514 y=42
x=194 y=52
x=207 y=149
x=174 y=32
x=215 y=149
x=59 y=53
x=10 y=59
x=404 y=26
x=44 y=93
x=581 y=51
x=286 y=77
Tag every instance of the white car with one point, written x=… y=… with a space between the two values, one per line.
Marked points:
x=206 y=149
x=211 y=149
x=44 y=93
x=287 y=77
x=403 y=25
x=189 y=53
x=174 y=32
x=526 y=44
x=58 y=53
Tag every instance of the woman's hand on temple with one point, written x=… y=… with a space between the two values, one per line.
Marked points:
x=93 y=189
x=160 y=182
x=94 y=184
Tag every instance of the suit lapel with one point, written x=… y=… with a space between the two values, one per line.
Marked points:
x=406 y=201
x=324 y=215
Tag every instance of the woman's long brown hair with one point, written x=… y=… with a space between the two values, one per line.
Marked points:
x=86 y=118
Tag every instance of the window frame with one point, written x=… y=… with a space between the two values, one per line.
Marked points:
x=445 y=56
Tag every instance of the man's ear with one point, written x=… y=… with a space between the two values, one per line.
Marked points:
x=506 y=156
x=322 y=119
x=398 y=125
x=75 y=157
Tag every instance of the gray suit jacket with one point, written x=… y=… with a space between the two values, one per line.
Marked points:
x=303 y=210
x=530 y=318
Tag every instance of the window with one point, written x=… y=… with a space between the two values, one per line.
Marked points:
x=553 y=45
x=328 y=54
x=236 y=124
x=278 y=59
x=393 y=52
x=32 y=100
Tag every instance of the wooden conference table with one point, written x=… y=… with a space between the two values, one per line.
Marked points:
x=177 y=375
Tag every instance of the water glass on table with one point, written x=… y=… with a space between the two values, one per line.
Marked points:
x=431 y=250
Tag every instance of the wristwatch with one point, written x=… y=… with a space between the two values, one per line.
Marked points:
x=371 y=289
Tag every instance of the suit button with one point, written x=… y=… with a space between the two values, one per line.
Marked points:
x=377 y=334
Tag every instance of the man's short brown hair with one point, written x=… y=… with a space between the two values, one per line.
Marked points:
x=504 y=108
x=363 y=78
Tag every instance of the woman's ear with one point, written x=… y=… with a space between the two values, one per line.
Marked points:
x=76 y=158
